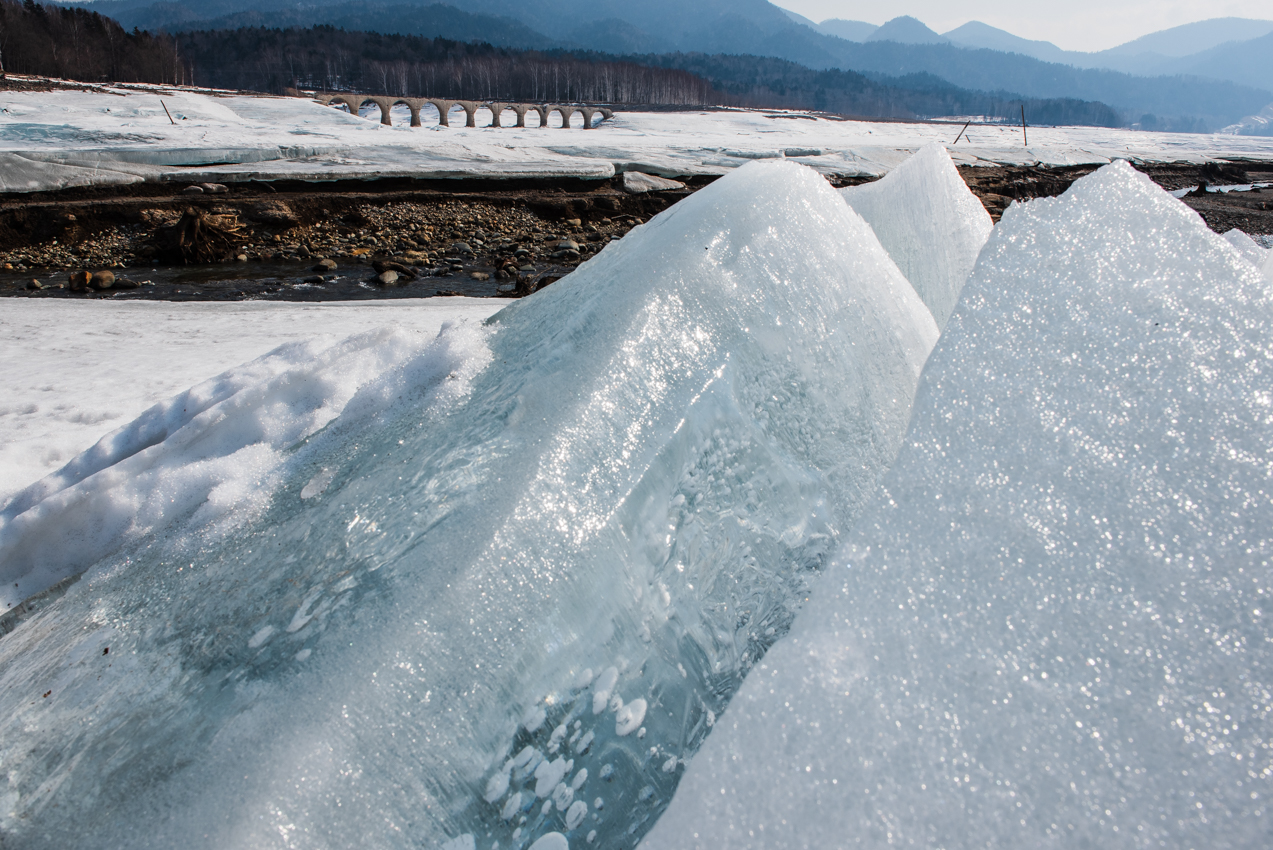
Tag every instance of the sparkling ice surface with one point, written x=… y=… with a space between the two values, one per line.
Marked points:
x=1052 y=627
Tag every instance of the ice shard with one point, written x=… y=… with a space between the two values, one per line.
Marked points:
x=1246 y=246
x=505 y=593
x=1053 y=628
x=929 y=223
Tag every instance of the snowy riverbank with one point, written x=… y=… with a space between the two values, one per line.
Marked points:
x=121 y=135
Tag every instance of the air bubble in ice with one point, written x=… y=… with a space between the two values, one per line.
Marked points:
x=629 y=717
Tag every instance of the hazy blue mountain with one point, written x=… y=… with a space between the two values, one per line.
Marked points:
x=1189 y=39
x=848 y=30
x=902 y=46
x=1246 y=61
x=907 y=30
x=975 y=34
x=801 y=19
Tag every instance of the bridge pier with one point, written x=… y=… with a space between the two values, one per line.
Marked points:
x=565 y=112
x=470 y=109
x=521 y=109
x=444 y=110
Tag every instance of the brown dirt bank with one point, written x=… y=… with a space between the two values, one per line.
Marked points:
x=520 y=234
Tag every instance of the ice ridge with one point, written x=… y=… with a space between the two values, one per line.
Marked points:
x=508 y=612
x=1053 y=625
x=929 y=223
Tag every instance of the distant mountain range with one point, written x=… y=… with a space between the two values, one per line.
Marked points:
x=1200 y=76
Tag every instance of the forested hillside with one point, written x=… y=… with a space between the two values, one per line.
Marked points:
x=78 y=44
x=329 y=59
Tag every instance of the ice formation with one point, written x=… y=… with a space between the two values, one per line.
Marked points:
x=524 y=568
x=1052 y=626
x=929 y=223
x=1254 y=253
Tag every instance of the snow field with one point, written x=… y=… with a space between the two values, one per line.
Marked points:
x=86 y=369
x=1052 y=623
x=556 y=542
x=61 y=139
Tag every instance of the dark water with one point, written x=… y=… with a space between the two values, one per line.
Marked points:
x=268 y=281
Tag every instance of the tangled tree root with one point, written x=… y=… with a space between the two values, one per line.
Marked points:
x=201 y=238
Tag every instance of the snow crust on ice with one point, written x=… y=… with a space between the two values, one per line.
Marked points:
x=636 y=470
x=929 y=222
x=209 y=455
x=91 y=368
x=121 y=134
x=1052 y=626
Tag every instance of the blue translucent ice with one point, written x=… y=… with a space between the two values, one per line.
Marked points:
x=505 y=593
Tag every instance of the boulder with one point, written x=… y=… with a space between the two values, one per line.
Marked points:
x=325 y=265
x=213 y=188
x=80 y=280
x=479 y=276
x=125 y=283
x=192 y=190
x=636 y=183
x=102 y=280
x=387 y=278
x=275 y=213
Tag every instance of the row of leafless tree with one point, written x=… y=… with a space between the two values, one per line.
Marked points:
x=328 y=59
x=77 y=44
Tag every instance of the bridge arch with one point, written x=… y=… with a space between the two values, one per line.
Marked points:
x=565 y=112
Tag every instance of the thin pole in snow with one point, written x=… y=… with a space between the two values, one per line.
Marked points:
x=166 y=112
x=1025 y=137
x=960 y=136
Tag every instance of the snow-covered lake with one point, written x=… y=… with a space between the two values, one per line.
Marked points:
x=796 y=518
x=63 y=138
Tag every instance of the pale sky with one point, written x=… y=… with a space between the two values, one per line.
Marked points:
x=1072 y=25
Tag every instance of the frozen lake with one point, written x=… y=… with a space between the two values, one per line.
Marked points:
x=121 y=135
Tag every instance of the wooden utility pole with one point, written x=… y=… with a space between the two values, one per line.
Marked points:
x=1025 y=137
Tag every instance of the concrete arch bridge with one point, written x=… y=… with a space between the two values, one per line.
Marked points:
x=355 y=102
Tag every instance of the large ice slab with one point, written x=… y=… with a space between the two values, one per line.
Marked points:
x=501 y=589
x=929 y=223
x=1052 y=628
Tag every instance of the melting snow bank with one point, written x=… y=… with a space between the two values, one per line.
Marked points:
x=1053 y=624
x=495 y=586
